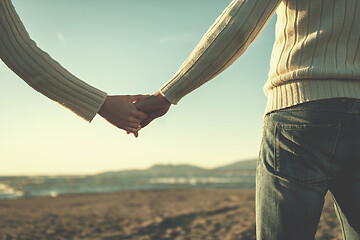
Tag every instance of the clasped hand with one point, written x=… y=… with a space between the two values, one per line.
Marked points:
x=154 y=106
x=131 y=113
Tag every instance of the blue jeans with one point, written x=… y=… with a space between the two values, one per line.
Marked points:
x=307 y=150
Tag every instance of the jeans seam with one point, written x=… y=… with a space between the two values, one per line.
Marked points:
x=333 y=151
x=339 y=214
x=358 y=141
x=276 y=147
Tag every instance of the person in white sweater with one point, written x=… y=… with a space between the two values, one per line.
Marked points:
x=311 y=139
x=21 y=54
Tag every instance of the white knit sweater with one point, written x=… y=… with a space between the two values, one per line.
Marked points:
x=40 y=71
x=316 y=54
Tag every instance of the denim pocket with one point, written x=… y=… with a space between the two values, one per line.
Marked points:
x=303 y=152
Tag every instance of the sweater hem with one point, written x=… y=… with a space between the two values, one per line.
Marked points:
x=301 y=91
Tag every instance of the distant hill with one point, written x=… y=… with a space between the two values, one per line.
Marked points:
x=175 y=169
x=239 y=167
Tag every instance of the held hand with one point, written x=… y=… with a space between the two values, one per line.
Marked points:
x=154 y=106
x=121 y=112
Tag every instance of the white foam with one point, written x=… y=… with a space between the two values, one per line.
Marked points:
x=6 y=190
x=53 y=194
x=195 y=180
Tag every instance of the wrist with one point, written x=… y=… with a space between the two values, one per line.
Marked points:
x=103 y=107
x=162 y=98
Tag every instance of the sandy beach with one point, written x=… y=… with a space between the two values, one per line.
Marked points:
x=140 y=215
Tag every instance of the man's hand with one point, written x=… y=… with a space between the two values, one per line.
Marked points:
x=121 y=112
x=154 y=106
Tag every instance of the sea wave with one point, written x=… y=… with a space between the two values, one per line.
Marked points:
x=27 y=187
x=196 y=180
x=7 y=192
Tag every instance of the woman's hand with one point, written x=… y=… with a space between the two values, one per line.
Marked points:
x=121 y=112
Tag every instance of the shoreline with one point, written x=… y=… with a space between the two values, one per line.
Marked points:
x=147 y=214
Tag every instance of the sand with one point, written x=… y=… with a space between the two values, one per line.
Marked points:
x=174 y=214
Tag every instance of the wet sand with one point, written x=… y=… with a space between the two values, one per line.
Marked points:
x=141 y=215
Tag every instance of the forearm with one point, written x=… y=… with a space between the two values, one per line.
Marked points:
x=225 y=41
x=40 y=71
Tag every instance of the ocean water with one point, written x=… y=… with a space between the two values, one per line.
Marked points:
x=26 y=187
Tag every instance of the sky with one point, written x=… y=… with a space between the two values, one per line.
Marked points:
x=130 y=47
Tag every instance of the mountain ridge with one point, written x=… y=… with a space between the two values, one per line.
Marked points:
x=239 y=167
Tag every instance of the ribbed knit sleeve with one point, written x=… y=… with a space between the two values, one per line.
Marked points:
x=227 y=39
x=40 y=71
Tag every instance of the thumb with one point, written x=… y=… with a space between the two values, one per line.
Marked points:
x=135 y=98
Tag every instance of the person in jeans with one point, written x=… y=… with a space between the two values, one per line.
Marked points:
x=311 y=136
x=21 y=54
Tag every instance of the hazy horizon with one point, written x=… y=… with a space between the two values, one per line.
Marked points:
x=34 y=174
